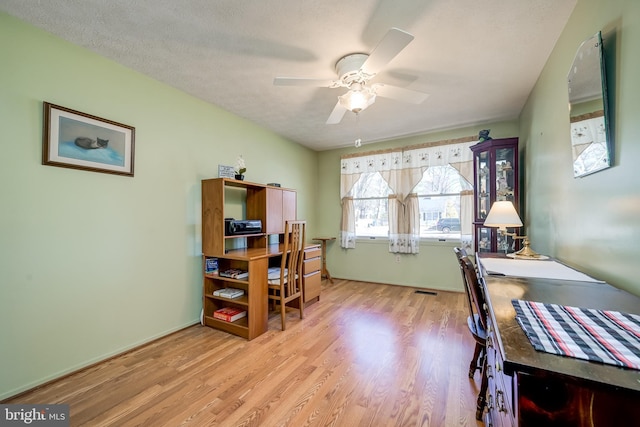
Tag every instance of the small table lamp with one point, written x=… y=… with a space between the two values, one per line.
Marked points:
x=502 y=215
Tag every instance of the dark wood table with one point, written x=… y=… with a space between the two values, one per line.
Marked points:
x=532 y=388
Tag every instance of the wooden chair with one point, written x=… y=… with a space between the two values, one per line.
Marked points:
x=285 y=282
x=477 y=322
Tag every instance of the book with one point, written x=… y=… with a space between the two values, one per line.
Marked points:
x=229 y=314
x=210 y=265
x=228 y=293
x=234 y=273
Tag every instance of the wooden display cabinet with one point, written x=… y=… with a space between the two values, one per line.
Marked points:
x=496 y=177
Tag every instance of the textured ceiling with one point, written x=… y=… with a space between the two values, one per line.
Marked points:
x=478 y=60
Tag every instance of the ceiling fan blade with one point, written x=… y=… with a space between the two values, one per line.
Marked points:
x=337 y=114
x=297 y=81
x=391 y=44
x=400 y=94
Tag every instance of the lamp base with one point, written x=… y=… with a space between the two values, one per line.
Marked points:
x=526 y=252
x=536 y=258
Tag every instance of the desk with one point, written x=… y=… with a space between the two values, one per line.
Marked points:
x=531 y=388
x=255 y=301
x=323 y=241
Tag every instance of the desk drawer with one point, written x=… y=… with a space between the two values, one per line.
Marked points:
x=499 y=395
x=312 y=252
x=311 y=265
x=311 y=283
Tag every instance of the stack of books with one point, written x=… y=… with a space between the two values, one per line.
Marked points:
x=229 y=314
x=234 y=273
x=228 y=293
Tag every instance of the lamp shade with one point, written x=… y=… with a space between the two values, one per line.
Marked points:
x=502 y=214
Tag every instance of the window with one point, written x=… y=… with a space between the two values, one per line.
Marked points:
x=439 y=200
x=370 y=203
x=379 y=193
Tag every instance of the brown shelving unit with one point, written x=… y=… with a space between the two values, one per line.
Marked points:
x=273 y=206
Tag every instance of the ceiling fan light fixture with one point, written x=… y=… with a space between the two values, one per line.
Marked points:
x=357 y=99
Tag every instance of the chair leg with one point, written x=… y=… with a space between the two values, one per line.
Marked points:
x=482 y=395
x=474 y=361
x=283 y=314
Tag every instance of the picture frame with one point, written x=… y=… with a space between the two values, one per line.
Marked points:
x=76 y=140
x=226 y=172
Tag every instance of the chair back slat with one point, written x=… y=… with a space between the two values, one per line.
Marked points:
x=292 y=257
x=460 y=254
x=475 y=295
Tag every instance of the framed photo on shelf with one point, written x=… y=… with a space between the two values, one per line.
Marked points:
x=76 y=140
x=226 y=171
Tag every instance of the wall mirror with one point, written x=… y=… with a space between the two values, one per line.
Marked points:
x=588 y=109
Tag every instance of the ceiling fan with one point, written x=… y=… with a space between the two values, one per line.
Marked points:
x=356 y=70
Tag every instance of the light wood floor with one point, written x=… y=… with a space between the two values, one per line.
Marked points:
x=365 y=355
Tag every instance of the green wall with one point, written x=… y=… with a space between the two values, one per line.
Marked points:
x=435 y=267
x=591 y=223
x=93 y=264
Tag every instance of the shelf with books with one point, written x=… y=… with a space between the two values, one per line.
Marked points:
x=212 y=304
x=223 y=293
x=229 y=314
x=234 y=273
x=240 y=327
x=229 y=293
x=216 y=287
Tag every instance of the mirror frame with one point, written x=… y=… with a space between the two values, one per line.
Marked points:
x=590 y=129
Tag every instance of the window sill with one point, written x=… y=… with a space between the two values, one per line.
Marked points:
x=426 y=241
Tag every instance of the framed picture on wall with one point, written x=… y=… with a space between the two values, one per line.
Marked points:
x=76 y=140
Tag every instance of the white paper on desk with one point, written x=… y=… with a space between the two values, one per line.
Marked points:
x=546 y=269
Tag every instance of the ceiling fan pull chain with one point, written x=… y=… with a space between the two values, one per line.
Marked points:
x=358 y=142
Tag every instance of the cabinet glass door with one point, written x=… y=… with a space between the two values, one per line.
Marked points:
x=483 y=235
x=505 y=176
x=483 y=192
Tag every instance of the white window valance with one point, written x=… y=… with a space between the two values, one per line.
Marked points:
x=403 y=168
x=375 y=161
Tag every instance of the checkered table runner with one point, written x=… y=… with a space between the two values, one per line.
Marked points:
x=608 y=337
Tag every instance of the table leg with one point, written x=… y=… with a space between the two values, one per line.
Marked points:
x=325 y=272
